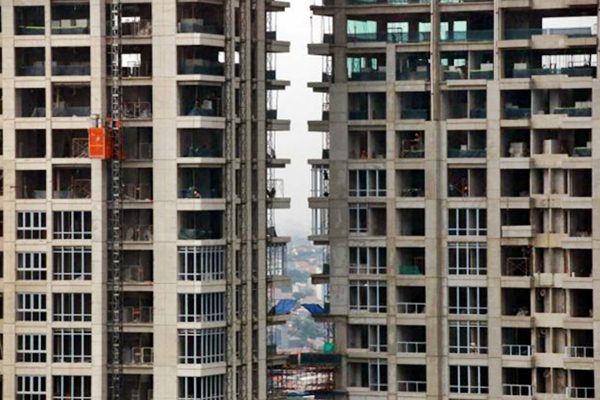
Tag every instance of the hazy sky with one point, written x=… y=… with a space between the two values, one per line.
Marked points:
x=299 y=104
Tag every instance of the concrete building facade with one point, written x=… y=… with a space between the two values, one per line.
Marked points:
x=456 y=196
x=198 y=257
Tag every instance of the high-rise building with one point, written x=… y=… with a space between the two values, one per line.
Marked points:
x=145 y=273
x=455 y=196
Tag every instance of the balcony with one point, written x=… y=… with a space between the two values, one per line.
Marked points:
x=411 y=339
x=138 y=387
x=137 y=308
x=582 y=344
x=516 y=104
x=411 y=261
x=516 y=342
x=30 y=184
x=30 y=103
x=412 y=379
x=29 y=61
x=137 y=226
x=411 y=144
x=202 y=60
x=366 y=106
x=372 y=338
x=72 y=183
x=70 y=19
x=201 y=143
x=516 y=302
x=136 y=20
x=411 y=300
x=467 y=182
x=201 y=100
x=30 y=143
x=136 y=61
x=195 y=18
x=137 y=266
x=515 y=183
x=137 y=349
x=467 y=144
x=369 y=67
x=70 y=61
x=137 y=102
x=365 y=145
x=137 y=184
x=516 y=261
x=200 y=225
x=415 y=66
x=410 y=183
x=529 y=33
x=29 y=20
x=414 y=105
x=579 y=223
x=137 y=143
x=200 y=183
x=70 y=100
x=581 y=384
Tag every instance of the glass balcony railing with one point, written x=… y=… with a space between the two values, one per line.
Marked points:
x=574 y=111
x=390 y=37
x=467 y=36
x=413 y=75
x=482 y=74
x=570 y=71
x=467 y=153
x=527 y=33
x=517 y=113
x=414 y=114
x=394 y=2
x=367 y=75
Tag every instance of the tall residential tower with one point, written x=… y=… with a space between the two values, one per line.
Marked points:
x=145 y=273
x=455 y=196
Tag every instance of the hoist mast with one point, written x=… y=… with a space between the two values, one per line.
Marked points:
x=115 y=284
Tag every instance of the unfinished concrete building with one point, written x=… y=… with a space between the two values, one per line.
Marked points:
x=455 y=196
x=196 y=258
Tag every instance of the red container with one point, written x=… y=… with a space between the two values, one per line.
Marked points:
x=100 y=145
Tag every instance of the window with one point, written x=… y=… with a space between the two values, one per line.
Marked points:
x=72 y=345
x=31 y=387
x=201 y=307
x=201 y=346
x=72 y=387
x=72 y=263
x=368 y=260
x=468 y=379
x=367 y=183
x=202 y=387
x=468 y=337
x=31 y=307
x=201 y=263
x=72 y=307
x=31 y=225
x=31 y=348
x=72 y=225
x=31 y=266
x=468 y=300
x=467 y=258
x=368 y=296
x=467 y=222
x=358 y=218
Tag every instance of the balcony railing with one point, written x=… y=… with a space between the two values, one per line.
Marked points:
x=70 y=111
x=467 y=153
x=527 y=33
x=517 y=113
x=577 y=392
x=412 y=386
x=71 y=69
x=510 y=389
x=579 y=351
x=570 y=71
x=521 y=350
x=411 y=307
x=411 y=347
x=137 y=315
x=467 y=36
x=138 y=355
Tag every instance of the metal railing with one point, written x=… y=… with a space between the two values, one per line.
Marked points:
x=574 y=392
x=411 y=347
x=579 y=351
x=524 y=350
x=411 y=307
x=412 y=386
x=509 y=389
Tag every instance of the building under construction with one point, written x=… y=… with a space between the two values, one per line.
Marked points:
x=138 y=239
x=455 y=196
